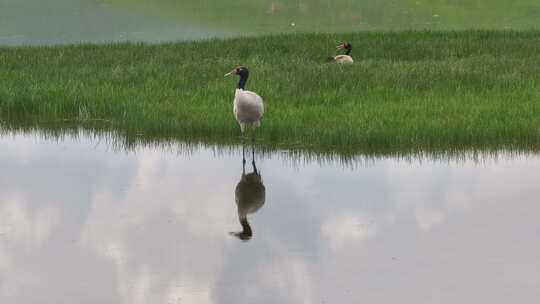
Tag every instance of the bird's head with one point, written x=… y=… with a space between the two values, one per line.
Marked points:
x=345 y=45
x=239 y=70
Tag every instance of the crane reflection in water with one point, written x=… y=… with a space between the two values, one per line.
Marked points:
x=250 y=195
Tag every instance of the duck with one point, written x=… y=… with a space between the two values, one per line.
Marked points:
x=346 y=58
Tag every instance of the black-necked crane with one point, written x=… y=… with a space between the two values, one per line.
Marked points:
x=346 y=58
x=248 y=106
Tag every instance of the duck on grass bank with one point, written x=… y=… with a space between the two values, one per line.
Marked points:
x=346 y=58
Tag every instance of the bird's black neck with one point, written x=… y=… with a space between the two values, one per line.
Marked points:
x=348 y=52
x=242 y=81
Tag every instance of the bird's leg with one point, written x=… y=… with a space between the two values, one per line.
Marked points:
x=253 y=147
x=254 y=167
x=243 y=150
x=253 y=152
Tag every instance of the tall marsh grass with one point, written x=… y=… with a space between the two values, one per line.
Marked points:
x=406 y=90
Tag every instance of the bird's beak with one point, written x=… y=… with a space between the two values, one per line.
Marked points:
x=230 y=73
x=339 y=47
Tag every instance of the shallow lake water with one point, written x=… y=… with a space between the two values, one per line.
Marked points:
x=84 y=221
x=37 y=22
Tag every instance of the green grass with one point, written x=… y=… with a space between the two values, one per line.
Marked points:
x=406 y=90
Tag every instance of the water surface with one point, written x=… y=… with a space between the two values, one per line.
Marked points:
x=37 y=22
x=82 y=221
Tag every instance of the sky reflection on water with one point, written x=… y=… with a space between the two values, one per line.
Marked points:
x=82 y=222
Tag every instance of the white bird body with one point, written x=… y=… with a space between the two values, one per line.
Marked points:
x=343 y=59
x=248 y=108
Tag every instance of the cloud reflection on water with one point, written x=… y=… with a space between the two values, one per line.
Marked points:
x=81 y=222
